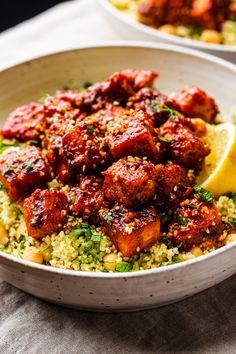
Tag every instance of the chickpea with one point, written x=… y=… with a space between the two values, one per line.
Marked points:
x=3 y=235
x=196 y=251
x=211 y=36
x=33 y=256
x=230 y=238
x=46 y=251
x=169 y=29
x=110 y=261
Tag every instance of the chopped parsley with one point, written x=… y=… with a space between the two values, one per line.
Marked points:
x=86 y=84
x=166 y=140
x=232 y=196
x=231 y=221
x=180 y=220
x=43 y=96
x=107 y=218
x=4 y=145
x=172 y=113
x=203 y=194
x=167 y=241
x=176 y=259
x=22 y=238
x=124 y=267
x=28 y=165
x=155 y=107
x=90 y=128
x=5 y=172
x=96 y=238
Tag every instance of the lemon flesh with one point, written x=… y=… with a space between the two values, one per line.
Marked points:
x=219 y=171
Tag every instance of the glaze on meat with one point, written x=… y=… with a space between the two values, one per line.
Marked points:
x=124 y=156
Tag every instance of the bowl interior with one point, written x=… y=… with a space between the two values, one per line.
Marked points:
x=177 y=68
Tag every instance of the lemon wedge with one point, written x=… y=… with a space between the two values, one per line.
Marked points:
x=219 y=171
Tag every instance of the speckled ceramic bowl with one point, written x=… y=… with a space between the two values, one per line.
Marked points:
x=130 y=28
x=119 y=291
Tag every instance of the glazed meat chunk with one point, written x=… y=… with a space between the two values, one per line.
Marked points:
x=185 y=147
x=174 y=184
x=159 y=12
x=131 y=231
x=22 y=171
x=66 y=103
x=25 y=122
x=132 y=133
x=45 y=212
x=86 y=198
x=210 y=14
x=195 y=223
x=152 y=102
x=85 y=146
x=195 y=103
x=130 y=181
x=117 y=87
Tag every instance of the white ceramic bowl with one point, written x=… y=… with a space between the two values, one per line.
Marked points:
x=129 y=28
x=119 y=291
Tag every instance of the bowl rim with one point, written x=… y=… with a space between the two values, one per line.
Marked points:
x=136 y=274
x=164 y=36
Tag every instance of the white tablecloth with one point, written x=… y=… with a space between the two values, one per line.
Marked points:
x=205 y=323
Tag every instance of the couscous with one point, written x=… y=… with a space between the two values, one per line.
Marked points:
x=104 y=178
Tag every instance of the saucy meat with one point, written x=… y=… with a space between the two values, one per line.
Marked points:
x=45 y=212
x=22 y=171
x=209 y=14
x=24 y=123
x=131 y=231
x=196 y=222
x=130 y=181
x=119 y=155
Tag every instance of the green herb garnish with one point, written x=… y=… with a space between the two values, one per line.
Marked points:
x=96 y=238
x=231 y=221
x=5 y=172
x=203 y=194
x=86 y=84
x=107 y=218
x=90 y=128
x=4 y=145
x=166 y=140
x=22 y=238
x=43 y=96
x=176 y=259
x=124 y=267
x=180 y=220
x=28 y=165
x=232 y=196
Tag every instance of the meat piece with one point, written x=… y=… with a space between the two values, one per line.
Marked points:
x=117 y=87
x=131 y=231
x=45 y=212
x=195 y=103
x=85 y=147
x=86 y=199
x=25 y=122
x=185 y=147
x=22 y=171
x=174 y=184
x=152 y=102
x=196 y=222
x=132 y=134
x=64 y=103
x=159 y=12
x=210 y=14
x=130 y=181
x=62 y=171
